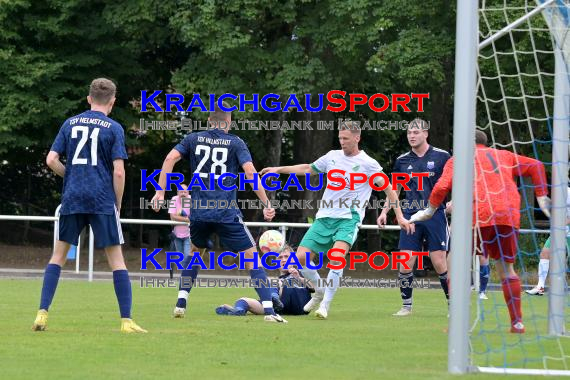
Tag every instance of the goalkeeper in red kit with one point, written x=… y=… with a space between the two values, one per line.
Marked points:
x=496 y=211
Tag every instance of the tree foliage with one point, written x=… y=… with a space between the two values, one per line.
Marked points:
x=51 y=50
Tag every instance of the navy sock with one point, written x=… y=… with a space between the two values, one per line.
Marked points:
x=51 y=278
x=187 y=278
x=406 y=280
x=263 y=289
x=241 y=307
x=443 y=282
x=123 y=291
x=483 y=278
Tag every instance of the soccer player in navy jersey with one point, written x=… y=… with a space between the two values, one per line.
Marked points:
x=421 y=158
x=93 y=183
x=215 y=152
x=293 y=292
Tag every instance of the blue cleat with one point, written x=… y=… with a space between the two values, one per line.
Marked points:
x=229 y=310
x=225 y=310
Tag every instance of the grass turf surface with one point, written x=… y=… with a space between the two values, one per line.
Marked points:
x=360 y=339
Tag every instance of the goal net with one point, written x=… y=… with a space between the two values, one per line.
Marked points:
x=517 y=90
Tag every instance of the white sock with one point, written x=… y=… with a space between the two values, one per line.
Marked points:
x=183 y=294
x=542 y=272
x=313 y=276
x=334 y=277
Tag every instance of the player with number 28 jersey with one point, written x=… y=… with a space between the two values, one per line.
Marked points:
x=213 y=153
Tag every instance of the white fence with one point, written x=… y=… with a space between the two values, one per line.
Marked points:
x=282 y=227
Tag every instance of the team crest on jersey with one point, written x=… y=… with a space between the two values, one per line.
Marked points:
x=430 y=165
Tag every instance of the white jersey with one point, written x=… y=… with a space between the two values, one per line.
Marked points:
x=341 y=204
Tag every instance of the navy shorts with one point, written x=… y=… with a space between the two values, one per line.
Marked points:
x=106 y=228
x=234 y=236
x=434 y=231
x=294 y=299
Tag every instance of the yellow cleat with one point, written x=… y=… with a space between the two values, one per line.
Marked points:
x=40 y=324
x=129 y=326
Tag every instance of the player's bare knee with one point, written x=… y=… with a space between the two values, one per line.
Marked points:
x=304 y=255
x=545 y=254
x=407 y=266
x=115 y=257
x=439 y=261
x=59 y=255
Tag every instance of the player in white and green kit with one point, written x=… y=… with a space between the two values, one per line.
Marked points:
x=544 y=263
x=337 y=226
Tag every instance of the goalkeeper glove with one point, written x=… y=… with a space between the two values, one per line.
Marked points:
x=426 y=214
x=544 y=203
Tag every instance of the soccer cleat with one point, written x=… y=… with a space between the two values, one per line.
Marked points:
x=129 y=326
x=277 y=304
x=518 y=328
x=403 y=312
x=40 y=324
x=225 y=310
x=536 y=291
x=274 y=318
x=179 y=312
x=322 y=312
x=314 y=303
x=483 y=296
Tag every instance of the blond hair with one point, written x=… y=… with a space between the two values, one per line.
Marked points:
x=102 y=90
x=352 y=126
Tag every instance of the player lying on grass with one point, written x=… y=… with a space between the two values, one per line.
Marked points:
x=93 y=183
x=544 y=263
x=496 y=215
x=292 y=293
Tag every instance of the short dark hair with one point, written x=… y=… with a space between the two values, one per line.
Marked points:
x=480 y=138
x=102 y=90
x=220 y=115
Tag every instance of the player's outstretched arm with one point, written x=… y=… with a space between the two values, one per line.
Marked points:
x=52 y=160
x=249 y=169
x=294 y=169
x=119 y=181
x=167 y=166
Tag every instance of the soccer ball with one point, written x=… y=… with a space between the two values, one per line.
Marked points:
x=272 y=240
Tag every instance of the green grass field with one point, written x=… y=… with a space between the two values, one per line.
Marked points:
x=359 y=340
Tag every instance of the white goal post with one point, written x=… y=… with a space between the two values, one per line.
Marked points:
x=556 y=13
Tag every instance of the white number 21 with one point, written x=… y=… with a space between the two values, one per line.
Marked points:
x=83 y=139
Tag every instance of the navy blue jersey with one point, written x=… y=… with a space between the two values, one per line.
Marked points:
x=90 y=142
x=433 y=162
x=292 y=296
x=214 y=152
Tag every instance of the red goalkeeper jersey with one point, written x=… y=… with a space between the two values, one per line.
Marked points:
x=496 y=200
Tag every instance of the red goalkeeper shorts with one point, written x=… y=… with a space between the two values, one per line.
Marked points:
x=498 y=242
